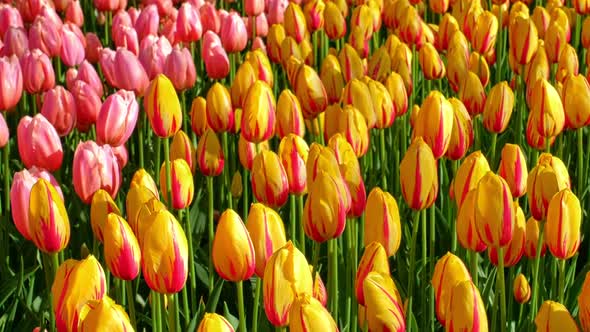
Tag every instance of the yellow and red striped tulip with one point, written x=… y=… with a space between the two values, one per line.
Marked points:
x=472 y=93
x=523 y=38
x=332 y=77
x=209 y=154
x=397 y=91
x=494 y=210
x=310 y=91
x=384 y=305
x=449 y=271
x=293 y=152
x=286 y=275
x=48 y=219
x=379 y=65
x=479 y=66
x=584 y=304
x=332 y=117
x=466 y=228
x=220 y=113
x=536 y=69
x=319 y=289
x=562 y=230
x=144 y=217
x=267 y=233
x=555 y=39
x=358 y=40
x=401 y=63
x=546 y=179
x=547 y=113
x=382 y=223
x=182 y=184
x=269 y=179
x=352 y=124
x=247 y=151
x=567 y=64
x=289 y=115
x=308 y=314
x=164 y=252
x=471 y=170
x=121 y=249
x=576 y=101
x=314 y=14
x=351 y=63
x=76 y=282
x=536 y=140
x=258 y=119
x=244 y=79
x=541 y=19
x=351 y=174
x=356 y=93
x=462 y=133
x=515 y=248
x=466 y=311
x=334 y=21
x=295 y=25
x=457 y=66
x=498 y=108
x=163 y=107
x=439 y=6
x=103 y=315
x=214 y=323
x=419 y=176
x=102 y=204
x=446 y=28
x=374 y=260
x=483 y=36
x=513 y=169
x=233 y=252
x=434 y=123
x=361 y=18
x=521 y=289
x=261 y=64
x=532 y=239
x=431 y=63
x=410 y=27
x=275 y=37
x=553 y=316
x=199 y=122
x=320 y=158
x=136 y=198
x=141 y=178
x=236 y=187
x=382 y=104
x=182 y=148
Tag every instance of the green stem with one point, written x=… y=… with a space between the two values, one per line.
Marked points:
x=301 y=233
x=501 y=289
x=293 y=217
x=535 y=291
x=245 y=194
x=580 y=134
x=411 y=277
x=353 y=254
x=131 y=303
x=211 y=232
x=257 y=293
x=225 y=192
x=333 y=268
x=168 y=189
x=140 y=137
x=431 y=263
x=191 y=264
x=383 y=159
x=474 y=267
x=493 y=150
x=562 y=276
x=107 y=25
x=171 y=306
x=423 y=295
x=155 y=312
x=241 y=306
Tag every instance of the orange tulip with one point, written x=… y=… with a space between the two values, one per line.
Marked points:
x=379 y=65
x=521 y=289
x=397 y=92
x=182 y=148
x=483 y=36
x=547 y=113
x=199 y=122
x=446 y=28
x=418 y=176
x=310 y=91
x=383 y=106
x=432 y=65
x=472 y=94
x=523 y=39
x=357 y=93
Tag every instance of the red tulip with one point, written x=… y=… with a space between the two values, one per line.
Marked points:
x=74 y=13
x=93 y=47
x=45 y=36
x=215 y=57
x=209 y=18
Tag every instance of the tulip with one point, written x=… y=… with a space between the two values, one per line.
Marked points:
x=295 y=24
x=121 y=249
x=261 y=65
x=182 y=148
x=88 y=104
x=76 y=283
x=352 y=125
x=117 y=118
x=236 y=187
x=188 y=24
x=462 y=134
x=129 y=73
x=410 y=27
x=310 y=91
x=103 y=314
x=479 y=66
x=537 y=68
x=472 y=169
x=399 y=96
x=233 y=33
x=95 y=167
x=141 y=178
x=431 y=63
x=93 y=47
x=147 y=22
x=153 y=53
x=164 y=253
x=434 y=123
x=102 y=205
x=472 y=94
x=37 y=72
x=319 y=289
x=457 y=69
x=351 y=173
x=384 y=306
x=358 y=40
x=374 y=260
x=494 y=212
x=11 y=16
x=269 y=179
x=59 y=109
x=379 y=65
x=555 y=40
x=144 y=218
x=449 y=271
x=584 y=305
x=466 y=311
x=245 y=77
x=418 y=175
x=274 y=39
x=16 y=42
x=214 y=323
x=523 y=39
x=521 y=289
x=45 y=36
x=11 y=85
x=219 y=109
x=163 y=107
x=293 y=152
x=199 y=122
x=532 y=239
x=247 y=151
x=72 y=48
x=267 y=232
x=258 y=120
x=575 y=100
x=467 y=233
x=498 y=108
x=334 y=21
x=553 y=316
x=567 y=63
x=289 y=115
x=515 y=248
x=382 y=221
x=74 y=13
x=38 y=143
x=180 y=68
x=310 y=315
x=483 y=36
x=513 y=169
x=182 y=185
x=547 y=178
x=4 y=132
x=351 y=64
x=562 y=231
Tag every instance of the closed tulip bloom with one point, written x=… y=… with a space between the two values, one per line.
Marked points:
x=102 y=205
x=439 y=6
x=431 y=63
x=321 y=158
x=45 y=36
x=310 y=91
x=358 y=40
x=11 y=86
x=383 y=221
x=93 y=47
x=494 y=211
x=274 y=39
x=379 y=65
x=199 y=123
x=567 y=63
x=513 y=169
x=537 y=68
x=384 y=306
x=180 y=68
x=479 y=66
x=182 y=148
x=233 y=252
x=467 y=233
x=314 y=14
x=447 y=27
x=4 y=133
x=576 y=101
x=457 y=68
x=357 y=93
x=286 y=276
x=72 y=48
x=188 y=24
x=103 y=315
x=289 y=115
x=219 y=108
x=214 y=323
x=353 y=126
x=483 y=36
x=129 y=73
x=351 y=173
x=76 y=283
x=269 y=179
x=449 y=271
x=258 y=120
x=351 y=63
x=37 y=72
x=584 y=304
x=163 y=107
x=498 y=108
x=261 y=65
x=209 y=154
x=88 y=105
x=374 y=259
x=521 y=289
x=546 y=179
x=117 y=118
x=295 y=24
x=267 y=232
x=245 y=77
x=555 y=40
x=182 y=189
x=145 y=217
x=410 y=27
x=293 y=152
x=397 y=90
x=515 y=248
x=95 y=167
x=38 y=143
x=59 y=108
x=308 y=314
x=16 y=42
x=164 y=252
x=419 y=178
x=531 y=239
x=462 y=134
x=472 y=94
x=553 y=316
x=141 y=178
x=435 y=123
x=466 y=311
x=48 y=219
x=233 y=33
x=536 y=140
x=334 y=21
x=523 y=39
x=562 y=231
x=121 y=249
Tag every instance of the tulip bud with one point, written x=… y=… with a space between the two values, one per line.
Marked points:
x=397 y=92
x=576 y=101
x=95 y=167
x=384 y=306
x=311 y=315
x=267 y=232
x=536 y=69
x=472 y=94
x=435 y=123
x=258 y=120
x=103 y=314
x=214 y=323
x=449 y=271
x=163 y=107
x=286 y=275
x=164 y=252
x=353 y=126
x=102 y=204
x=472 y=169
x=121 y=249
x=494 y=212
x=182 y=184
x=555 y=40
x=295 y=25
x=269 y=179
x=233 y=33
x=293 y=152
x=457 y=68
x=310 y=91
x=332 y=77
x=48 y=219
x=319 y=289
x=245 y=77
x=59 y=108
x=462 y=133
x=515 y=248
x=466 y=311
x=117 y=118
x=320 y=158
x=379 y=65
x=513 y=169
x=546 y=179
x=553 y=316
x=418 y=175
x=498 y=108
x=209 y=154
x=562 y=231
x=141 y=178
x=276 y=35
x=584 y=304
x=467 y=233
x=219 y=110
x=351 y=173
x=523 y=39
x=532 y=239
x=182 y=148
x=431 y=63
x=199 y=122
x=410 y=27
x=479 y=66
x=351 y=63
x=38 y=143
x=76 y=283
x=334 y=21
x=357 y=93
x=401 y=63
x=233 y=252
x=567 y=64
x=483 y=36
x=382 y=222
x=374 y=260
x=521 y=289
x=289 y=115
x=37 y=72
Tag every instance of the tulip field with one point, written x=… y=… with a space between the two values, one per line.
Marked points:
x=295 y=165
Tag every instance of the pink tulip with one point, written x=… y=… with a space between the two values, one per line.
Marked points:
x=126 y=37
x=214 y=56
x=93 y=47
x=233 y=33
x=74 y=13
x=4 y=133
x=261 y=26
x=45 y=36
x=88 y=105
x=117 y=118
x=188 y=24
x=121 y=19
x=95 y=167
x=61 y=5
x=88 y=74
x=148 y=22
x=152 y=55
x=253 y=7
x=107 y=65
x=129 y=73
x=10 y=17
x=59 y=108
x=11 y=82
x=180 y=69
x=72 y=49
x=20 y=192
x=71 y=77
x=50 y=14
x=258 y=44
x=107 y=5
x=209 y=18
x=38 y=75
x=38 y=143
x=133 y=14
x=169 y=28
x=275 y=13
x=122 y=155
x=30 y=9
x=164 y=6
x=16 y=42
